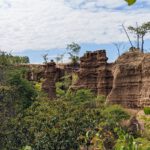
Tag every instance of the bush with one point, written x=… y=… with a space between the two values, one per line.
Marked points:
x=60 y=93
x=147 y=110
x=115 y=113
x=83 y=95
x=128 y=142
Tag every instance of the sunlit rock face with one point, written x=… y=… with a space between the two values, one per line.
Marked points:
x=131 y=80
x=95 y=73
x=125 y=82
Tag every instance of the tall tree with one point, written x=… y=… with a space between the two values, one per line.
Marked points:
x=140 y=32
x=73 y=51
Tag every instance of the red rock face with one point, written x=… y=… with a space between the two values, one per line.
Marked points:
x=95 y=73
x=131 y=84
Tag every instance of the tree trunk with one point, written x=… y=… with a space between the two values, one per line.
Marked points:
x=142 y=47
x=138 y=41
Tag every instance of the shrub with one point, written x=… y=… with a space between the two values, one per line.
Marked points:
x=83 y=95
x=59 y=90
x=147 y=110
x=115 y=113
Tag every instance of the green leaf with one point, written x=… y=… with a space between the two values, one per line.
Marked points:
x=130 y=2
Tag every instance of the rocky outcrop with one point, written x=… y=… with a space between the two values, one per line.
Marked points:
x=69 y=67
x=105 y=79
x=34 y=71
x=125 y=82
x=50 y=78
x=50 y=72
x=95 y=73
x=131 y=83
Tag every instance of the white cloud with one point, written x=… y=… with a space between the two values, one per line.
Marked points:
x=49 y=24
x=93 y=3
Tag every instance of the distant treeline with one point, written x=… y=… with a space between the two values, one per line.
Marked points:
x=8 y=59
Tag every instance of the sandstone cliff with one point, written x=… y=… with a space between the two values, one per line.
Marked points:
x=50 y=78
x=131 y=83
x=95 y=73
x=125 y=82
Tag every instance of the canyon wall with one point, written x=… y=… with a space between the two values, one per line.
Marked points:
x=131 y=83
x=125 y=82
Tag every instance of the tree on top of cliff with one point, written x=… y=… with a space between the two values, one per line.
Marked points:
x=140 y=32
x=73 y=51
x=59 y=58
x=45 y=57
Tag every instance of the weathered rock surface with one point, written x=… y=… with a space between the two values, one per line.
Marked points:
x=95 y=73
x=51 y=73
x=105 y=79
x=50 y=78
x=131 y=83
x=125 y=82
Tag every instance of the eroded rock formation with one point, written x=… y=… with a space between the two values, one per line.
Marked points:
x=95 y=73
x=125 y=82
x=50 y=78
x=131 y=83
x=50 y=73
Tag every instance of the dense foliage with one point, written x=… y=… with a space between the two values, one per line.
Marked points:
x=16 y=93
x=62 y=124
x=7 y=59
x=147 y=110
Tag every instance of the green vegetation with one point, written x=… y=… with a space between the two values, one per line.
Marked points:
x=16 y=93
x=147 y=110
x=7 y=59
x=73 y=51
x=140 y=32
x=62 y=124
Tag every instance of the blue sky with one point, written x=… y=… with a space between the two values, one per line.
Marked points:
x=36 y=27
